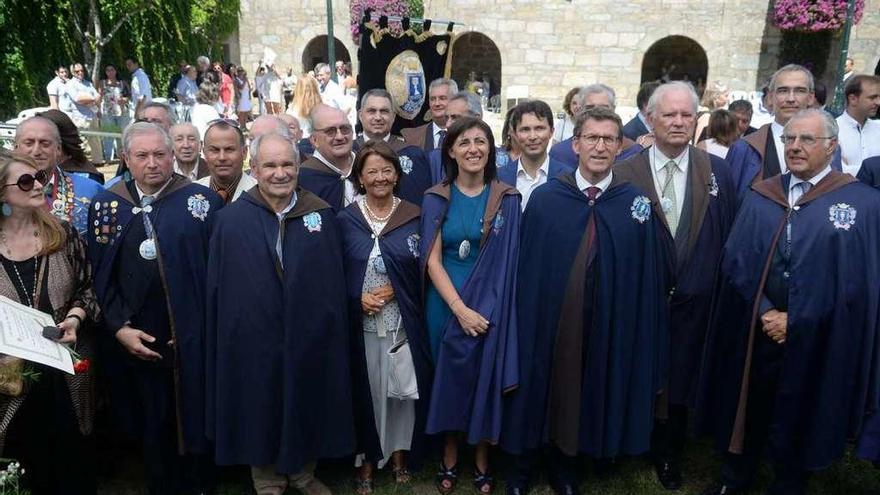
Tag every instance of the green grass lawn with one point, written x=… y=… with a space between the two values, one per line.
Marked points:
x=632 y=477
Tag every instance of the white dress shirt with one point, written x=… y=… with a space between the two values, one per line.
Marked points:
x=583 y=184
x=776 y=133
x=795 y=193
x=679 y=180
x=350 y=194
x=526 y=184
x=192 y=175
x=155 y=195
x=435 y=130
x=857 y=142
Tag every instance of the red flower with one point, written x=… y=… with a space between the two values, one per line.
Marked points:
x=82 y=366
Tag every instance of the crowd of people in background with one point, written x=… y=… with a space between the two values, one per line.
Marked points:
x=259 y=284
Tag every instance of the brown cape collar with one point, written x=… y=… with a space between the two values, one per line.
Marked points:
x=497 y=191
x=176 y=182
x=571 y=180
x=404 y=213
x=306 y=202
x=758 y=139
x=772 y=188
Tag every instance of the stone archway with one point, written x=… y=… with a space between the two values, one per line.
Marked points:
x=676 y=58
x=476 y=53
x=315 y=52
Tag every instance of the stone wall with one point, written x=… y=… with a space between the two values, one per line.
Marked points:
x=549 y=46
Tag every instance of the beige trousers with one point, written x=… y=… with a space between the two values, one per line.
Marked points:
x=268 y=482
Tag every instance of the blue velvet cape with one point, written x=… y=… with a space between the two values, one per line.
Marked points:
x=399 y=245
x=182 y=217
x=416 y=169
x=279 y=382
x=472 y=373
x=624 y=344
x=829 y=376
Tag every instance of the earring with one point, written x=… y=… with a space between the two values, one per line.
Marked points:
x=7 y=210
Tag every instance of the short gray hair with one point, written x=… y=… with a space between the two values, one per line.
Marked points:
x=320 y=68
x=811 y=84
x=377 y=93
x=56 y=135
x=254 y=150
x=597 y=88
x=475 y=107
x=163 y=106
x=669 y=87
x=204 y=59
x=442 y=81
x=141 y=128
x=829 y=124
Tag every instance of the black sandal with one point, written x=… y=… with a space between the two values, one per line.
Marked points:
x=363 y=486
x=401 y=475
x=446 y=476
x=484 y=483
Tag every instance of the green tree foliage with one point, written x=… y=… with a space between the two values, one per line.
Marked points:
x=35 y=37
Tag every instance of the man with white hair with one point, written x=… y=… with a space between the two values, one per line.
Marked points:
x=760 y=155
x=591 y=96
x=148 y=244
x=790 y=362
x=692 y=193
x=188 y=161
x=275 y=289
x=430 y=136
x=331 y=93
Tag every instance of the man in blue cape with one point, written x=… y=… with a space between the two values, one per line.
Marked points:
x=869 y=172
x=696 y=208
x=148 y=244
x=377 y=117
x=326 y=172
x=592 y=316
x=69 y=195
x=759 y=155
x=791 y=361
x=278 y=374
x=532 y=124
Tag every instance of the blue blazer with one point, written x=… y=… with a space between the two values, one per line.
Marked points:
x=507 y=173
x=635 y=128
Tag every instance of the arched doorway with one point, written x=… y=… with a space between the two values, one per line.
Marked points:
x=676 y=58
x=316 y=52
x=476 y=58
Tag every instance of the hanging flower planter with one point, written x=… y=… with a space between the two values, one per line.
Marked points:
x=808 y=28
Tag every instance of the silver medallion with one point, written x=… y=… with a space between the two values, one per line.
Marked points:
x=148 y=249
x=464 y=249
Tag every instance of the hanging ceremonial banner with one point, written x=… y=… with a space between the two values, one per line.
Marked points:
x=404 y=66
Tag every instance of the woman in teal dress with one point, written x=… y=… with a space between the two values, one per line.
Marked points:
x=469 y=236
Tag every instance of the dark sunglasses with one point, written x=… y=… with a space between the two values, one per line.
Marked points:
x=26 y=181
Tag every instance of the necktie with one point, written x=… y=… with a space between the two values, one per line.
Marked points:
x=799 y=190
x=442 y=138
x=147 y=200
x=593 y=193
x=669 y=194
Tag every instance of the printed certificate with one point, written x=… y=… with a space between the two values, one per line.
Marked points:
x=21 y=335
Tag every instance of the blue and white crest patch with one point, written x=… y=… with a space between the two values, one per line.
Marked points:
x=413 y=243
x=713 y=186
x=498 y=224
x=198 y=206
x=406 y=164
x=842 y=216
x=640 y=209
x=312 y=221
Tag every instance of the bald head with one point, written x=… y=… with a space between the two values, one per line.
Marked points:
x=331 y=133
x=268 y=124
x=38 y=137
x=292 y=126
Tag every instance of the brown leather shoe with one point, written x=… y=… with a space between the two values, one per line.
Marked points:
x=315 y=487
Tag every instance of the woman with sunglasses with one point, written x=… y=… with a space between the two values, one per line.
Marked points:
x=44 y=266
x=469 y=241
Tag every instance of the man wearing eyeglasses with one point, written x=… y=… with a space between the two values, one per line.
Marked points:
x=692 y=193
x=532 y=123
x=148 y=244
x=377 y=118
x=591 y=356
x=224 y=156
x=68 y=195
x=327 y=172
x=791 y=364
x=761 y=155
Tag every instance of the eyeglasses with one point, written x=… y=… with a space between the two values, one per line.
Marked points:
x=593 y=140
x=330 y=132
x=26 y=182
x=806 y=139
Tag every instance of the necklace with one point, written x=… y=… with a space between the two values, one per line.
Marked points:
x=464 y=249
x=6 y=245
x=395 y=201
x=31 y=298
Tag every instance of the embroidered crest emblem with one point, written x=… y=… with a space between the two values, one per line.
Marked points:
x=498 y=224
x=842 y=216
x=413 y=243
x=198 y=206
x=640 y=209
x=713 y=186
x=312 y=221
x=406 y=164
x=405 y=80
